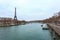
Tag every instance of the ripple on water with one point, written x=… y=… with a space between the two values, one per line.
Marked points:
x=25 y=32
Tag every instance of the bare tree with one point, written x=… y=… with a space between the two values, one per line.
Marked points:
x=59 y=13
x=55 y=15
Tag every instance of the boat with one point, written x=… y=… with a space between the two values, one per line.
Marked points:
x=41 y=25
x=45 y=28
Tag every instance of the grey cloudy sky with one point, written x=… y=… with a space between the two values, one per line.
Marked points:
x=29 y=9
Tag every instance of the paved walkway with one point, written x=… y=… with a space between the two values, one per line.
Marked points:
x=55 y=28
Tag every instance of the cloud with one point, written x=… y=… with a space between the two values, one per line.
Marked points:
x=1 y=1
x=29 y=9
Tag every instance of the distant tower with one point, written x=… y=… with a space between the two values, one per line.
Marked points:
x=15 y=17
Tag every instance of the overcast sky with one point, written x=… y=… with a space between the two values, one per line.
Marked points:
x=29 y=9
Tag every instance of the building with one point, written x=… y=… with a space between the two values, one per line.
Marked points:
x=4 y=21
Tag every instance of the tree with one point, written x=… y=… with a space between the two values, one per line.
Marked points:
x=59 y=13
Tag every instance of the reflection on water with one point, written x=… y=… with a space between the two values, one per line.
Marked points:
x=24 y=32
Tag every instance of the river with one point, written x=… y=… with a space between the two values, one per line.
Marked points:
x=25 y=32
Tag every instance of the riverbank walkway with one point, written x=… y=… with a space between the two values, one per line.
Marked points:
x=55 y=28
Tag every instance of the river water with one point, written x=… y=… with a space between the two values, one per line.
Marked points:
x=25 y=32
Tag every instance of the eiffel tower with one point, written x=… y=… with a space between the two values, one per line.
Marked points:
x=15 y=17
